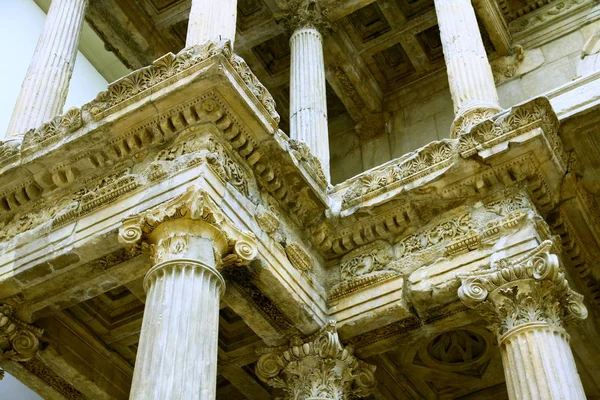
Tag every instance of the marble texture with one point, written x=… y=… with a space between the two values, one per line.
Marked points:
x=46 y=83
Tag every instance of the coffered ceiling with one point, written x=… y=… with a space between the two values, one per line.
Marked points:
x=377 y=47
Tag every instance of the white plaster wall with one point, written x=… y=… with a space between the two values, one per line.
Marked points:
x=21 y=22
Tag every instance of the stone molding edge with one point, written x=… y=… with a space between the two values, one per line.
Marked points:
x=316 y=367
x=530 y=289
x=128 y=89
x=24 y=339
x=233 y=246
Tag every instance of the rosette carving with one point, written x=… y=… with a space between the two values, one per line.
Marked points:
x=318 y=367
x=531 y=289
x=191 y=214
x=23 y=339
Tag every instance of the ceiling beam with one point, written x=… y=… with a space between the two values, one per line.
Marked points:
x=493 y=20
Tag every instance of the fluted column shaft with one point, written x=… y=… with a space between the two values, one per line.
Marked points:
x=177 y=354
x=527 y=302
x=211 y=20
x=308 y=101
x=539 y=364
x=44 y=90
x=469 y=73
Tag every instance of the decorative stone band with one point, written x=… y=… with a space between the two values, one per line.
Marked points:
x=23 y=339
x=194 y=215
x=301 y=14
x=181 y=265
x=316 y=368
x=532 y=289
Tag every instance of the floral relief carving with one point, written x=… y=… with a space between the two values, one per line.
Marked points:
x=303 y=155
x=299 y=258
x=427 y=160
x=544 y=15
x=508 y=124
x=506 y=67
x=318 y=367
x=125 y=89
x=365 y=260
x=531 y=289
x=22 y=340
x=58 y=127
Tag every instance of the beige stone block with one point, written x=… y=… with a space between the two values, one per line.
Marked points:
x=511 y=93
x=532 y=59
x=376 y=152
x=412 y=137
x=438 y=103
x=341 y=145
x=443 y=122
x=562 y=47
x=548 y=77
x=346 y=167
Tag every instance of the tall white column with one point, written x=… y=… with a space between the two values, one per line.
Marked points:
x=189 y=239
x=539 y=364
x=211 y=20
x=527 y=303
x=44 y=90
x=469 y=73
x=308 y=101
x=177 y=354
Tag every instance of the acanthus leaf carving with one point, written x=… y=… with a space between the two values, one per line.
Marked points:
x=531 y=289
x=318 y=367
x=194 y=204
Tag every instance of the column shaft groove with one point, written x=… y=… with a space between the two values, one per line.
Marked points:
x=539 y=365
x=46 y=84
x=177 y=355
x=211 y=20
x=308 y=101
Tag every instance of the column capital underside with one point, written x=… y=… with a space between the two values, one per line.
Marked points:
x=21 y=340
x=318 y=367
x=531 y=291
x=306 y=14
x=169 y=230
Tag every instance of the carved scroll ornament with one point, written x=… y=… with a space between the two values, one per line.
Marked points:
x=317 y=368
x=232 y=244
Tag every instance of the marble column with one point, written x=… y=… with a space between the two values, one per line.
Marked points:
x=469 y=73
x=211 y=20
x=44 y=90
x=189 y=240
x=527 y=302
x=308 y=100
x=318 y=368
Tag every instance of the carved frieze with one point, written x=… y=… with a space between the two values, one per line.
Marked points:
x=125 y=90
x=427 y=160
x=317 y=368
x=508 y=124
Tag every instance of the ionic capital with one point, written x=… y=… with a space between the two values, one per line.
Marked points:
x=18 y=341
x=171 y=228
x=303 y=14
x=317 y=368
x=528 y=292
